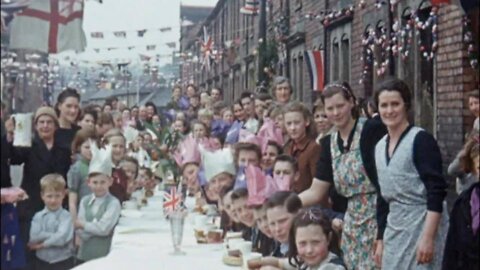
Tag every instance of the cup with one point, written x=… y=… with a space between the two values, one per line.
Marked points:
x=251 y=260
x=245 y=248
x=214 y=236
x=200 y=221
x=233 y=244
x=129 y=205
x=23 y=130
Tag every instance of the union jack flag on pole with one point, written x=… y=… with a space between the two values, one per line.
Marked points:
x=172 y=200
x=207 y=46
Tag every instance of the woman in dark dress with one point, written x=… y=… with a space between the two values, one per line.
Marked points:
x=43 y=157
x=68 y=110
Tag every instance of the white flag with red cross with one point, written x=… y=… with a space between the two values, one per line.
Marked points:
x=49 y=26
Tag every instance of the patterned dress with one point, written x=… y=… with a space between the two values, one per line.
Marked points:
x=406 y=194
x=351 y=180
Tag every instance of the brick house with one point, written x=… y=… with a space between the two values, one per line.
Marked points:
x=439 y=84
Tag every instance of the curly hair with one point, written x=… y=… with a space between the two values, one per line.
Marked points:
x=471 y=150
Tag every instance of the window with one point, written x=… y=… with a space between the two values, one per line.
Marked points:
x=338 y=55
x=418 y=71
x=345 y=49
x=335 y=71
x=299 y=85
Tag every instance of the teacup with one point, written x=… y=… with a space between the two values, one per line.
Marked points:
x=233 y=244
x=251 y=260
x=214 y=236
x=201 y=221
x=245 y=247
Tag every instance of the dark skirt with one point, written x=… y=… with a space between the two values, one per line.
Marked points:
x=13 y=255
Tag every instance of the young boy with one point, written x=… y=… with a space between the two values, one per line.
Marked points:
x=51 y=232
x=287 y=166
x=246 y=153
x=100 y=211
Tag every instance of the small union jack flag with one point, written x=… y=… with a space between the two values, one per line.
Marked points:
x=172 y=200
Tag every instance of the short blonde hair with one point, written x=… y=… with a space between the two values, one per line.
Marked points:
x=205 y=112
x=52 y=181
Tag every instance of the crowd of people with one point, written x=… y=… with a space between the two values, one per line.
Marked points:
x=344 y=185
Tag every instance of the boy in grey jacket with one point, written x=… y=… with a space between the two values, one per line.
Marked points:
x=51 y=231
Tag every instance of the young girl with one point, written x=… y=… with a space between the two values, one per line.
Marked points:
x=313 y=243
x=137 y=151
x=227 y=115
x=271 y=152
x=78 y=173
x=199 y=130
x=130 y=166
x=462 y=247
x=323 y=125
x=299 y=125
x=119 y=187
x=88 y=119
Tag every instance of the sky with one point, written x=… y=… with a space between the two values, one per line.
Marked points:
x=130 y=16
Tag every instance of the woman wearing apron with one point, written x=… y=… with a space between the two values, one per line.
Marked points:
x=409 y=166
x=347 y=161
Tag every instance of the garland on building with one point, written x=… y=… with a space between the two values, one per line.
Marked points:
x=326 y=17
x=469 y=42
x=399 y=42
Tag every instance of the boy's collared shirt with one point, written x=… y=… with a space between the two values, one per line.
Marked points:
x=55 y=230
x=104 y=226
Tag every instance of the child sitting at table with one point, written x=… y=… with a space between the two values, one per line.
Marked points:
x=100 y=211
x=287 y=166
x=115 y=138
x=280 y=222
x=229 y=220
x=51 y=231
x=244 y=213
x=280 y=219
x=313 y=243
x=130 y=166
x=257 y=195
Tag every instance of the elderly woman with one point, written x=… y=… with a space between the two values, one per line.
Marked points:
x=282 y=90
x=44 y=156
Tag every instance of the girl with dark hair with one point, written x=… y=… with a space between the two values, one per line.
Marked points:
x=347 y=161
x=68 y=110
x=313 y=243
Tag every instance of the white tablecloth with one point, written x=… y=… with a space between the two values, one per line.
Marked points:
x=141 y=241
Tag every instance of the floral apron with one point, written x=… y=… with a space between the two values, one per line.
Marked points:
x=351 y=181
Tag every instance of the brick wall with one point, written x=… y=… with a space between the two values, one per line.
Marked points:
x=454 y=78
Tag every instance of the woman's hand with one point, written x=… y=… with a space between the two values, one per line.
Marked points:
x=337 y=224
x=13 y=195
x=425 y=250
x=378 y=252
